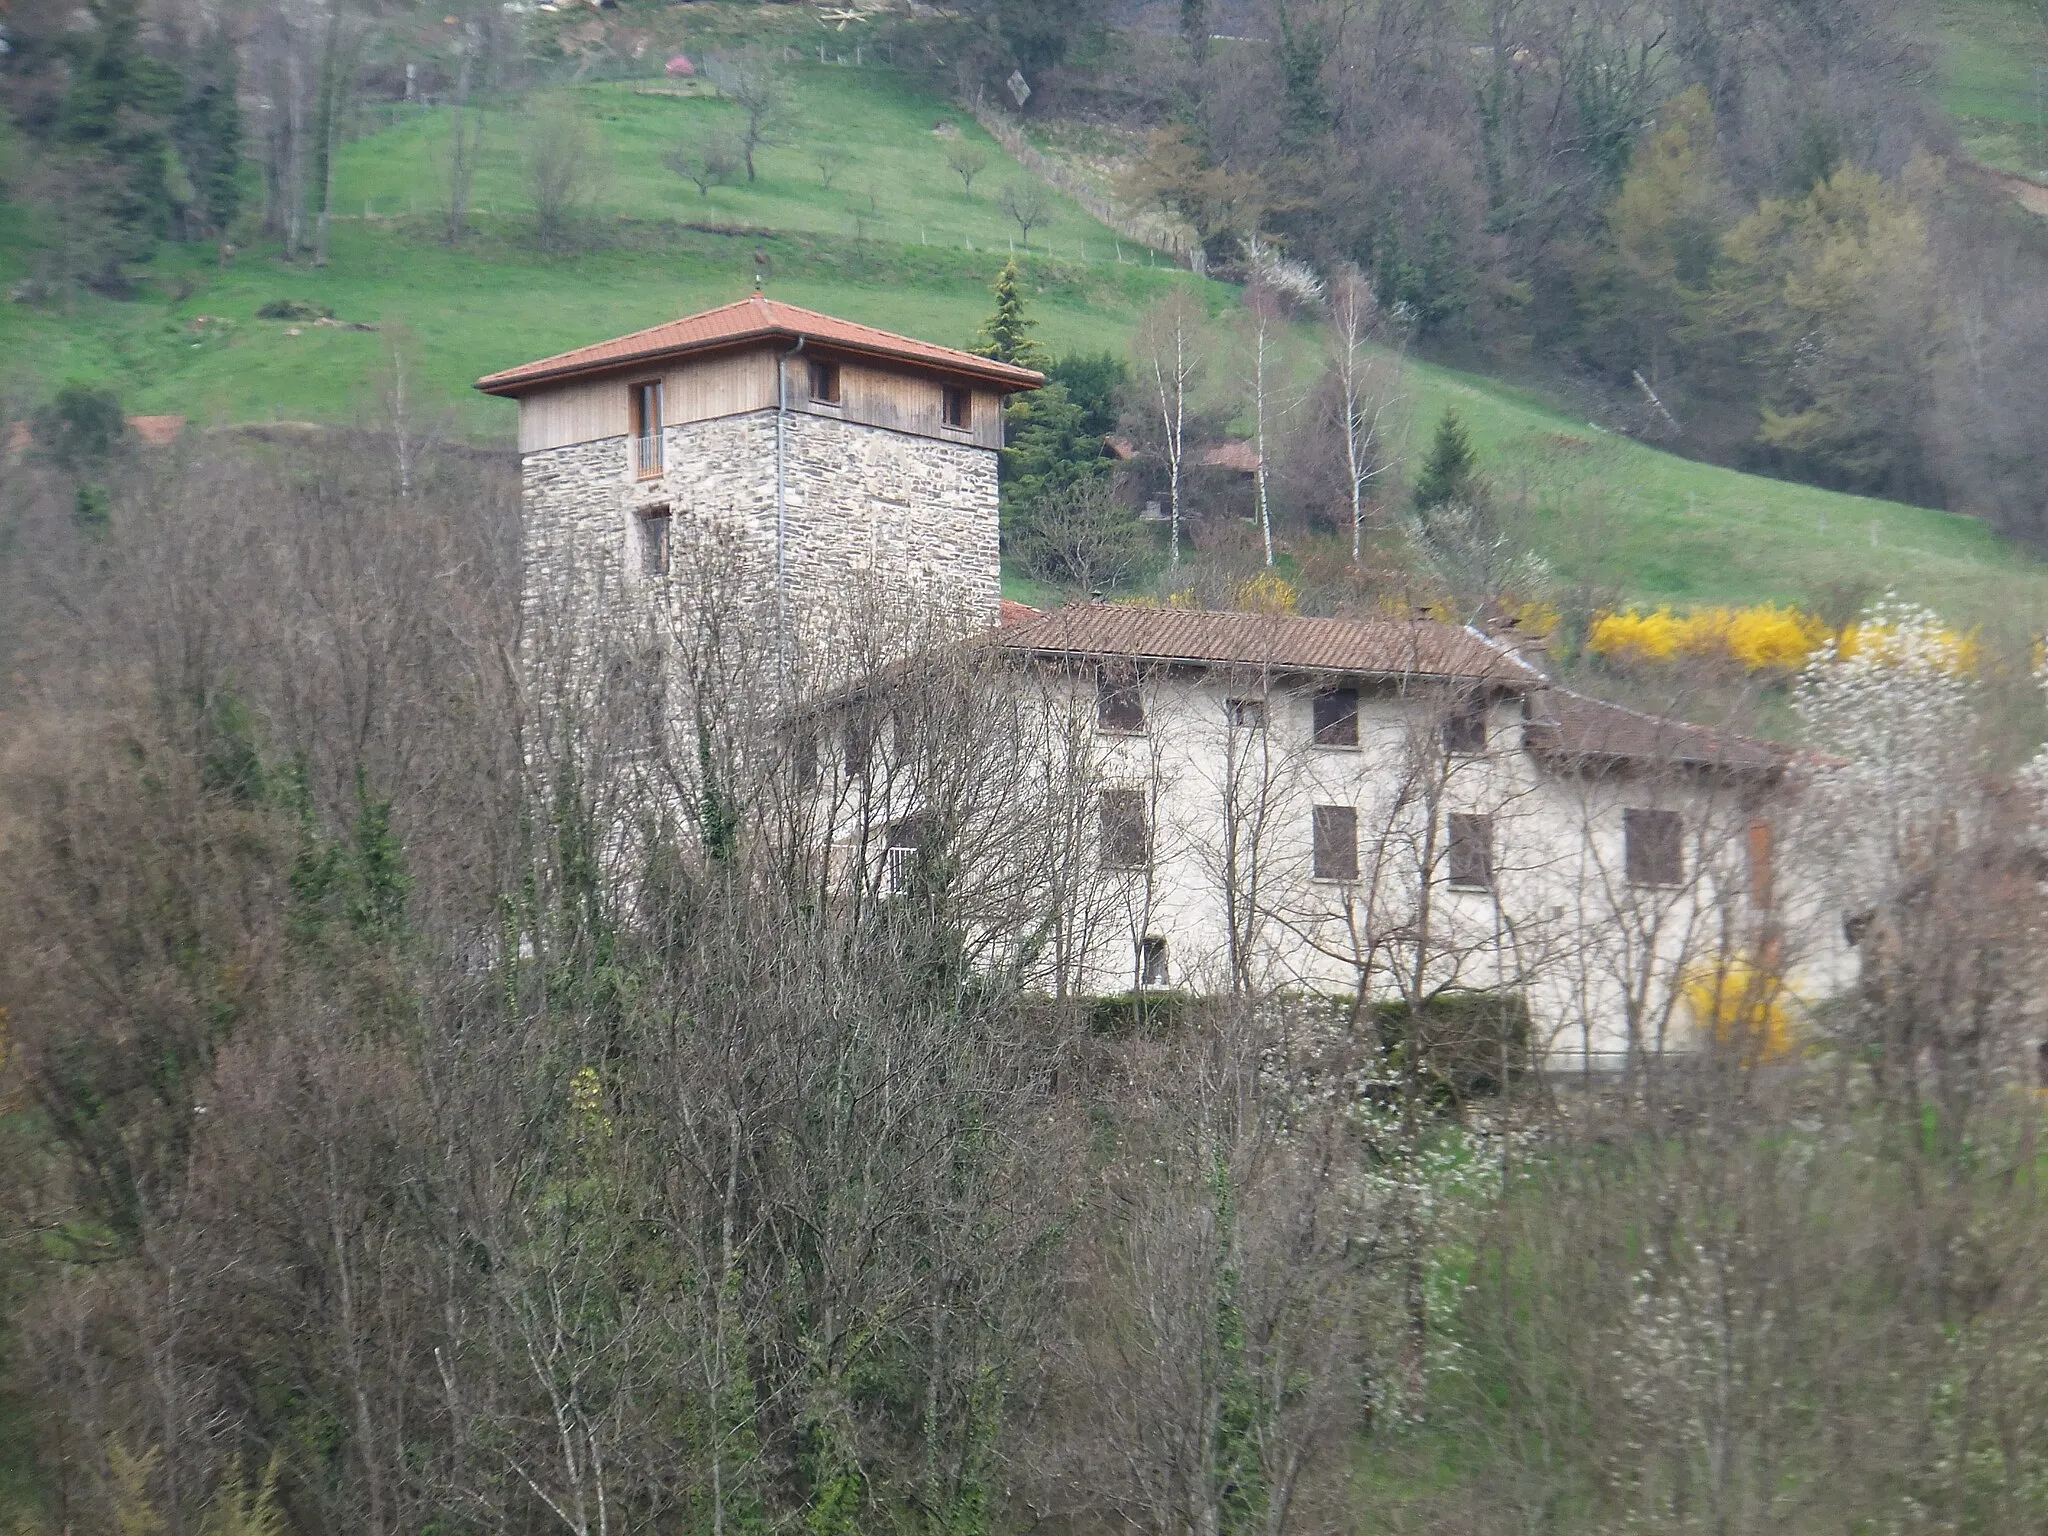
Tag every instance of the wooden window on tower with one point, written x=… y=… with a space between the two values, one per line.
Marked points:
x=956 y=407
x=646 y=403
x=825 y=383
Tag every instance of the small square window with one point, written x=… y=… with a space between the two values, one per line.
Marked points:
x=956 y=407
x=1653 y=847
x=1119 y=701
x=1245 y=714
x=1152 y=970
x=1336 y=842
x=1126 y=840
x=825 y=383
x=1469 y=856
x=1465 y=727
x=1336 y=717
x=656 y=550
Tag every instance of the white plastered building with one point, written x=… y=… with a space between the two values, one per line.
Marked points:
x=1386 y=810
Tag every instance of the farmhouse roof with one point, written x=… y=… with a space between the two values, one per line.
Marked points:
x=755 y=318
x=1572 y=728
x=1376 y=647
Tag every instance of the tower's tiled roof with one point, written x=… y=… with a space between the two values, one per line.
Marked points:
x=750 y=319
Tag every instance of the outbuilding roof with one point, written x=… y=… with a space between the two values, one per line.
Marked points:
x=755 y=318
x=1579 y=731
x=1370 y=647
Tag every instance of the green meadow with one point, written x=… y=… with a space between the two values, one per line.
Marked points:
x=897 y=242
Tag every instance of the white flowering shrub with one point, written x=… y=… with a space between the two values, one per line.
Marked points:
x=1892 y=722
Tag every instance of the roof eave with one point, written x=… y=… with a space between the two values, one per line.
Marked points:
x=511 y=383
x=1069 y=652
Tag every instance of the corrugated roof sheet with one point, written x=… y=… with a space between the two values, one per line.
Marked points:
x=755 y=317
x=1571 y=727
x=1379 y=647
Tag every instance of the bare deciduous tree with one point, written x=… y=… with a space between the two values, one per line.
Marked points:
x=1027 y=204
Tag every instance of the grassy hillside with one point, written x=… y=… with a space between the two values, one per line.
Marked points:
x=1989 y=52
x=895 y=242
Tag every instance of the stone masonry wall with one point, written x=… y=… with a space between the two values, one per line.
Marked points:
x=872 y=516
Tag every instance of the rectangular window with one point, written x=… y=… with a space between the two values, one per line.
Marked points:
x=1763 y=893
x=1245 y=714
x=654 y=542
x=1336 y=719
x=1336 y=842
x=956 y=407
x=1126 y=842
x=1119 y=702
x=825 y=383
x=1469 y=856
x=900 y=858
x=1653 y=847
x=860 y=743
x=1465 y=727
x=646 y=402
x=1152 y=962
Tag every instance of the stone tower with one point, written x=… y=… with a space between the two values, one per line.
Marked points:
x=838 y=457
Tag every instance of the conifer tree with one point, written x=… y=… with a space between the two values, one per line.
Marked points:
x=1447 y=474
x=1006 y=334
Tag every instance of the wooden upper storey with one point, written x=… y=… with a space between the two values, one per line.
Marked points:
x=723 y=363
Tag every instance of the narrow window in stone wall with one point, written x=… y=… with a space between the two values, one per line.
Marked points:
x=1245 y=714
x=1336 y=842
x=825 y=383
x=1469 y=853
x=647 y=429
x=654 y=542
x=956 y=407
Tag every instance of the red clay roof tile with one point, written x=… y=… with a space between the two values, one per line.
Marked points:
x=1378 y=647
x=754 y=318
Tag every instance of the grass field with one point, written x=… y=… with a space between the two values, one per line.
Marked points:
x=1990 y=50
x=1645 y=525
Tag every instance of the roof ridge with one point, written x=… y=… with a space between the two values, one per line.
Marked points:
x=743 y=320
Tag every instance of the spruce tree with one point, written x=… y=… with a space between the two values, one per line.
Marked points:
x=1447 y=474
x=1006 y=334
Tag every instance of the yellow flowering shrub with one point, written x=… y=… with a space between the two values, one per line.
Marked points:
x=1536 y=617
x=1635 y=636
x=1267 y=592
x=1765 y=638
x=1744 y=1008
